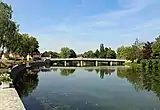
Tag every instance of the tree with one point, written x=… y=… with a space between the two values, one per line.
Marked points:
x=89 y=54
x=111 y=54
x=137 y=53
x=8 y=28
x=121 y=52
x=156 y=48
x=65 y=52
x=45 y=54
x=72 y=54
x=97 y=53
x=33 y=43
x=55 y=55
x=138 y=49
x=102 y=53
x=139 y=44
x=23 y=45
x=126 y=53
x=130 y=55
x=147 y=50
x=101 y=48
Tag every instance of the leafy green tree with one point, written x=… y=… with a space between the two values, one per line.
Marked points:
x=111 y=54
x=130 y=55
x=122 y=52
x=33 y=43
x=156 y=48
x=23 y=45
x=97 y=53
x=55 y=55
x=45 y=54
x=8 y=28
x=89 y=54
x=65 y=52
x=106 y=50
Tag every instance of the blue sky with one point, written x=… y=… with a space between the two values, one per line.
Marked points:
x=84 y=24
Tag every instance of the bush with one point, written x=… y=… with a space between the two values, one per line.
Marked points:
x=143 y=64
x=151 y=64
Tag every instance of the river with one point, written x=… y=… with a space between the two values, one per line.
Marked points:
x=107 y=88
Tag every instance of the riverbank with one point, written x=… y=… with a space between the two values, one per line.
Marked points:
x=10 y=100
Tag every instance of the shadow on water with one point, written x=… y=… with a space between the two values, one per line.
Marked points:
x=27 y=83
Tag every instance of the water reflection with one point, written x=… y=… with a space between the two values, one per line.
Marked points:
x=103 y=72
x=142 y=80
x=28 y=83
x=58 y=94
x=66 y=72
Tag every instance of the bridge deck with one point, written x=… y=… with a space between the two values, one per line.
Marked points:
x=87 y=59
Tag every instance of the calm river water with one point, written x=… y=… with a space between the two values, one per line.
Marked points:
x=108 y=88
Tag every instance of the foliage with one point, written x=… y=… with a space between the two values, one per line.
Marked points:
x=126 y=53
x=89 y=54
x=151 y=64
x=122 y=52
x=10 y=39
x=8 y=27
x=156 y=48
x=72 y=54
x=111 y=54
x=24 y=45
x=137 y=48
x=50 y=54
x=45 y=54
x=147 y=50
x=5 y=77
x=101 y=48
x=67 y=53
x=101 y=53
x=132 y=53
x=97 y=53
x=139 y=44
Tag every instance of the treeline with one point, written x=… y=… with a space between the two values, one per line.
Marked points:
x=103 y=52
x=11 y=40
x=66 y=52
x=140 y=50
